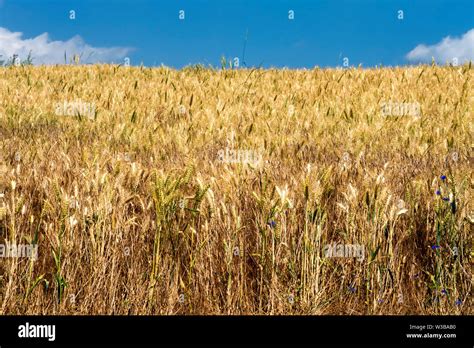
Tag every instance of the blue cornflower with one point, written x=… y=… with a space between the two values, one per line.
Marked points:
x=446 y=199
x=444 y=292
x=438 y=192
x=443 y=177
x=271 y=223
x=434 y=247
x=458 y=302
x=352 y=289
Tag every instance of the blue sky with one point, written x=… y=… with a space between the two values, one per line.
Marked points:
x=322 y=33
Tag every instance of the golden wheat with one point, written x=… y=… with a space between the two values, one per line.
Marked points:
x=207 y=191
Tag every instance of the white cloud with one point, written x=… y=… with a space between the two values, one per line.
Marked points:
x=446 y=50
x=46 y=51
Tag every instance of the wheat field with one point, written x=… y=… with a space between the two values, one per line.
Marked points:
x=217 y=191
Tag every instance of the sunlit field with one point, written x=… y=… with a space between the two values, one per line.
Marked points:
x=236 y=191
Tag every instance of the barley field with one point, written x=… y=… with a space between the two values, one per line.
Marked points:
x=236 y=191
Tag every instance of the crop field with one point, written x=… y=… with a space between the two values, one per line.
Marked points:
x=133 y=190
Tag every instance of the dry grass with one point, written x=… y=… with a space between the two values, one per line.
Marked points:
x=133 y=213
